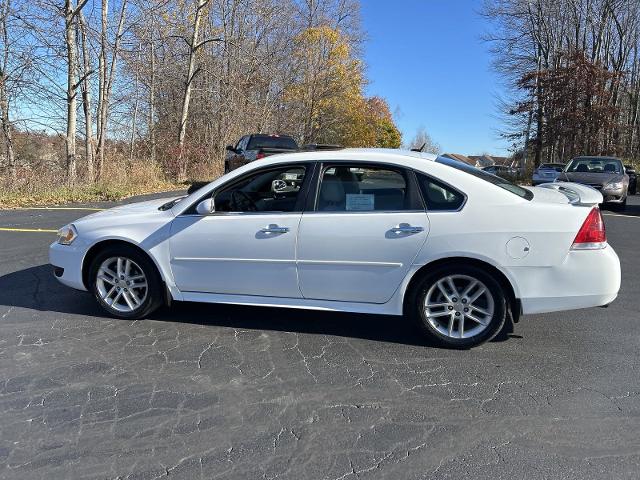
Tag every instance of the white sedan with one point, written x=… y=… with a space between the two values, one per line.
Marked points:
x=356 y=230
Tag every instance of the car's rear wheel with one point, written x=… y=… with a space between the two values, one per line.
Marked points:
x=459 y=306
x=125 y=282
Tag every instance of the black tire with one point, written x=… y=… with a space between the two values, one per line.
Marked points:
x=154 y=297
x=460 y=273
x=619 y=207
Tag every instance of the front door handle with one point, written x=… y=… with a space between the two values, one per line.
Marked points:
x=406 y=228
x=274 y=229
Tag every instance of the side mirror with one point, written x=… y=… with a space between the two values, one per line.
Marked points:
x=206 y=207
x=230 y=148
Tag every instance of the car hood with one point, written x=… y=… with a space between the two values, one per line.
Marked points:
x=590 y=178
x=148 y=208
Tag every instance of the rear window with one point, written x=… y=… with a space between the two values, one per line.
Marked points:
x=271 y=141
x=487 y=177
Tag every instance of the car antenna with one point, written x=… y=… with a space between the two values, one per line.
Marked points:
x=419 y=149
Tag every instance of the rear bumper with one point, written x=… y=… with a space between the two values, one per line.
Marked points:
x=535 y=181
x=588 y=278
x=67 y=264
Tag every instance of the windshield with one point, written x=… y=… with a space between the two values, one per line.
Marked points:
x=487 y=177
x=271 y=141
x=595 y=165
x=552 y=166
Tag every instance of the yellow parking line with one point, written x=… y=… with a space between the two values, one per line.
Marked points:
x=39 y=230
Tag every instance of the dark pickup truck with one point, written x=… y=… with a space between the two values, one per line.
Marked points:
x=256 y=146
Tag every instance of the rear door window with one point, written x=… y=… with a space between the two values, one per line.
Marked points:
x=439 y=196
x=354 y=188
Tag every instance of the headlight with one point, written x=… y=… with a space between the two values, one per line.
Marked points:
x=67 y=234
x=613 y=185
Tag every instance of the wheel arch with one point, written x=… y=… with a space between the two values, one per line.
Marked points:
x=515 y=305
x=101 y=245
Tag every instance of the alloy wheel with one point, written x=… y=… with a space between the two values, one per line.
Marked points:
x=121 y=284
x=459 y=306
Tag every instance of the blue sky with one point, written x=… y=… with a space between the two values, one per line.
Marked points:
x=426 y=57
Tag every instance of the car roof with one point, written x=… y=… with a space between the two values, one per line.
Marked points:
x=596 y=157
x=352 y=154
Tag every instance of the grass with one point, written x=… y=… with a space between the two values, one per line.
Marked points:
x=44 y=189
x=81 y=194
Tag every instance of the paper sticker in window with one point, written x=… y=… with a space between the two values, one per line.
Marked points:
x=360 y=202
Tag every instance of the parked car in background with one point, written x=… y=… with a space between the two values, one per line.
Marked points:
x=455 y=249
x=605 y=174
x=257 y=146
x=502 y=171
x=630 y=170
x=546 y=172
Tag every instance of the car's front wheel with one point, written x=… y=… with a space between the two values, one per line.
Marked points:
x=125 y=282
x=459 y=306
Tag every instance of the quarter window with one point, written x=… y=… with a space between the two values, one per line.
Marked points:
x=359 y=189
x=438 y=196
x=274 y=190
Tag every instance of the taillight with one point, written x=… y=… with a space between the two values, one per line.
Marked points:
x=260 y=155
x=591 y=235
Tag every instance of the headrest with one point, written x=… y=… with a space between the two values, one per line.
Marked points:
x=332 y=190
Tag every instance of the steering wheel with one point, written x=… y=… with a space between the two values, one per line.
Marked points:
x=251 y=205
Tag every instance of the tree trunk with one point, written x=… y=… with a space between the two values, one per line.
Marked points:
x=152 y=102
x=102 y=87
x=70 y=139
x=89 y=144
x=134 y=117
x=7 y=128
x=193 y=50
x=4 y=97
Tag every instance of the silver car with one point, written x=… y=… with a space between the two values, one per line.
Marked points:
x=546 y=173
x=605 y=174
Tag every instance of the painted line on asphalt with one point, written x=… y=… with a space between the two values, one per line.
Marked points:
x=619 y=215
x=38 y=230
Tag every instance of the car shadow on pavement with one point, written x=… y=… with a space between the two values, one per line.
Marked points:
x=36 y=288
x=630 y=210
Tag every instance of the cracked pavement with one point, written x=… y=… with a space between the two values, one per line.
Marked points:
x=212 y=391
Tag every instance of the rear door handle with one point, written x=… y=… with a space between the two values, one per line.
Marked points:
x=274 y=229
x=406 y=228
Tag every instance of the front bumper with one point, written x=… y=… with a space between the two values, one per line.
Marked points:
x=614 y=196
x=69 y=259
x=586 y=278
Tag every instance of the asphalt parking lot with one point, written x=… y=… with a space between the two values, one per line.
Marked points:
x=207 y=391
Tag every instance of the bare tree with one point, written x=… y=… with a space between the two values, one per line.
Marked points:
x=423 y=141
x=71 y=11
x=5 y=52
x=107 y=76
x=194 y=46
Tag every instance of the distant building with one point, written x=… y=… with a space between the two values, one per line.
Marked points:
x=460 y=158
x=482 y=160
x=487 y=160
